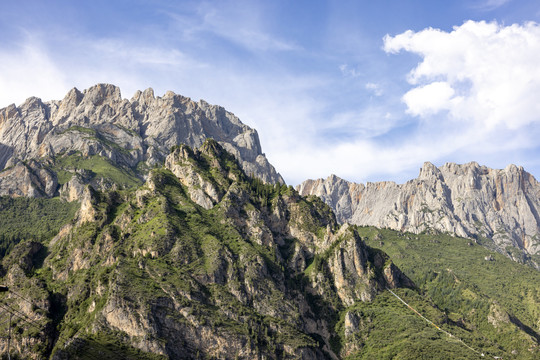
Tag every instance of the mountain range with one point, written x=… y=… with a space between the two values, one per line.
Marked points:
x=42 y=144
x=155 y=228
x=498 y=208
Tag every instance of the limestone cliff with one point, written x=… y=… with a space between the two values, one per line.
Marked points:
x=41 y=142
x=467 y=200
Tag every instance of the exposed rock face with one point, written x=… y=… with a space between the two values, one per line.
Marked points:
x=28 y=179
x=98 y=122
x=467 y=200
x=202 y=191
x=353 y=268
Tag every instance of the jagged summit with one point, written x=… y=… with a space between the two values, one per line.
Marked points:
x=469 y=200
x=132 y=135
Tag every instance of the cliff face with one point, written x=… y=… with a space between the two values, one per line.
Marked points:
x=37 y=139
x=201 y=260
x=467 y=200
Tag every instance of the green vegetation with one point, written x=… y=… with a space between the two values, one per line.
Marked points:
x=184 y=249
x=264 y=193
x=389 y=330
x=97 y=167
x=106 y=346
x=31 y=219
x=470 y=290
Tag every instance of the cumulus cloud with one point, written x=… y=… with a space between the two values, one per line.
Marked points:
x=483 y=73
x=430 y=98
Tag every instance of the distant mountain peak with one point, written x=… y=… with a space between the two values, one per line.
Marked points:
x=497 y=207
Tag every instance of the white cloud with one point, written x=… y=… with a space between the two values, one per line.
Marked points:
x=489 y=5
x=365 y=123
x=375 y=88
x=346 y=70
x=29 y=71
x=484 y=73
x=132 y=53
x=360 y=160
x=431 y=98
x=242 y=24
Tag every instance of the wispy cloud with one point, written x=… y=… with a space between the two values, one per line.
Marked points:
x=241 y=25
x=489 y=5
x=28 y=71
x=375 y=88
x=132 y=53
x=348 y=71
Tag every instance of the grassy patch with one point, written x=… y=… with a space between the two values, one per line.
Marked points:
x=32 y=219
x=387 y=329
x=456 y=276
x=97 y=167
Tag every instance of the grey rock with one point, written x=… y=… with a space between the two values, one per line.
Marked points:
x=73 y=190
x=99 y=122
x=466 y=200
x=202 y=191
x=27 y=179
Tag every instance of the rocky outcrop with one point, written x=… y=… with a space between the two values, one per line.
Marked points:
x=133 y=134
x=467 y=200
x=187 y=164
x=356 y=269
x=28 y=179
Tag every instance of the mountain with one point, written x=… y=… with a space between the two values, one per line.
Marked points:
x=497 y=208
x=97 y=137
x=199 y=261
x=203 y=261
x=119 y=241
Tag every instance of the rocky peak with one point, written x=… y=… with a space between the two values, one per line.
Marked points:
x=73 y=98
x=7 y=113
x=101 y=94
x=430 y=172
x=145 y=97
x=513 y=169
x=32 y=103
x=131 y=136
x=499 y=206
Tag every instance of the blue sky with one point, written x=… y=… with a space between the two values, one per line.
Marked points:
x=366 y=90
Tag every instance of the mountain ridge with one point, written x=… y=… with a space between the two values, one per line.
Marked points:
x=203 y=261
x=469 y=200
x=134 y=134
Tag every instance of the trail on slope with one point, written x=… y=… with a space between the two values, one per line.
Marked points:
x=437 y=327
